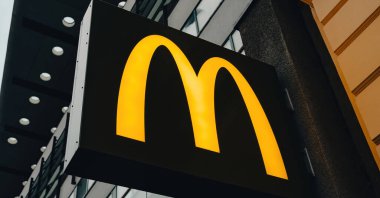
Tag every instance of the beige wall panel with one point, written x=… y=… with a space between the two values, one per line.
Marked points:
x=362 y=57
x=369 y=105
x=323 y=7
x=348 y=19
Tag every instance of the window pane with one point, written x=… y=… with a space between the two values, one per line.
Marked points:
x=228 y=44
x=205 y=10
x=136 y=194
x=113 y=193
x=159 y=15
x=121 y=191
x=90 y=183
x=167 y=2
x=82 y=188
x=154 y=9
x=238 y=43
x=73 y=194
x=190 y=26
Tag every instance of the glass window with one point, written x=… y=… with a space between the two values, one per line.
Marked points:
x=81 y=188
x=228 y=44
x=73 y=194
x=200 y=16
x=159 y=15
x=113 y=193
x=90 y=183
x=191 y=26
x=154 y=9
x=234 y=42
x=121 y=191
x=238 y=43
x=205 y=10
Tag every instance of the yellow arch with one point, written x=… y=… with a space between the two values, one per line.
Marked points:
x=130 y=121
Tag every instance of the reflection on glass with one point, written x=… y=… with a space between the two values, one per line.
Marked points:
x=81 y=188
x=73 y=194
x=121 y=191
x=90 y=183
x=204 y=11
x=167 y=2
x=228 y=45
x=113 y=193
x=238 y=43
x=159 y=15
x=154 y=9
x=191 y=26
x=234 y=42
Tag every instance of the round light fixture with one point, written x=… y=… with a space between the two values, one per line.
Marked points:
x=45 y=76
x=24 y=121
x=58 y=51
x=64 y=109
x=34 y=99
x=24 y=183
x=68 y=21
x=12 y=140
x=121 y=4
x=42 y=149
x=33 y=166
x=53 y=129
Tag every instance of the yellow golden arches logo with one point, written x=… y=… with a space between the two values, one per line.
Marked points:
x=130 y=120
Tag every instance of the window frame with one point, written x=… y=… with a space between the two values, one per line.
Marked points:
x=194 y=14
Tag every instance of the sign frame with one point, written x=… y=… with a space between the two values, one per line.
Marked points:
x=88 y=156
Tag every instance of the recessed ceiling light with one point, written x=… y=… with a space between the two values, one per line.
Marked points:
x=42 y=149
x=68 y=21
x=33 y=166
x=34 y=100
x=53 y=129
x=64 y=109
x=24 y=183
x=12 y=140
x=121 y=4
x=58 y=51
x=45 y=76
x=24 y=121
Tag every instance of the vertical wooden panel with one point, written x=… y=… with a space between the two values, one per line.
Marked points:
x=332 y=12
x=359 y=59
x=324 y=7
x=362 y=57
x=369 y=105
x=348 y=19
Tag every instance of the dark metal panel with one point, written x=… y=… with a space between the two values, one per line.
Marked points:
x=11 y=184
x=14 y=156
x=36 y=27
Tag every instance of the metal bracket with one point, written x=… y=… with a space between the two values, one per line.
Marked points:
x=308 y=162
x=289 y=100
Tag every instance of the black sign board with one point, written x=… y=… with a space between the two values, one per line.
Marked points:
x=151 y=95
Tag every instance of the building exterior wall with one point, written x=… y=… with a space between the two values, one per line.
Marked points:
x=351 y=32
x=272 y=31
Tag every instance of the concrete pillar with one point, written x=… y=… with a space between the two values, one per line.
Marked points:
x=274 y=31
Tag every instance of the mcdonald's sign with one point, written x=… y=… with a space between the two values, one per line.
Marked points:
x=200 y=95
x=175 y=115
